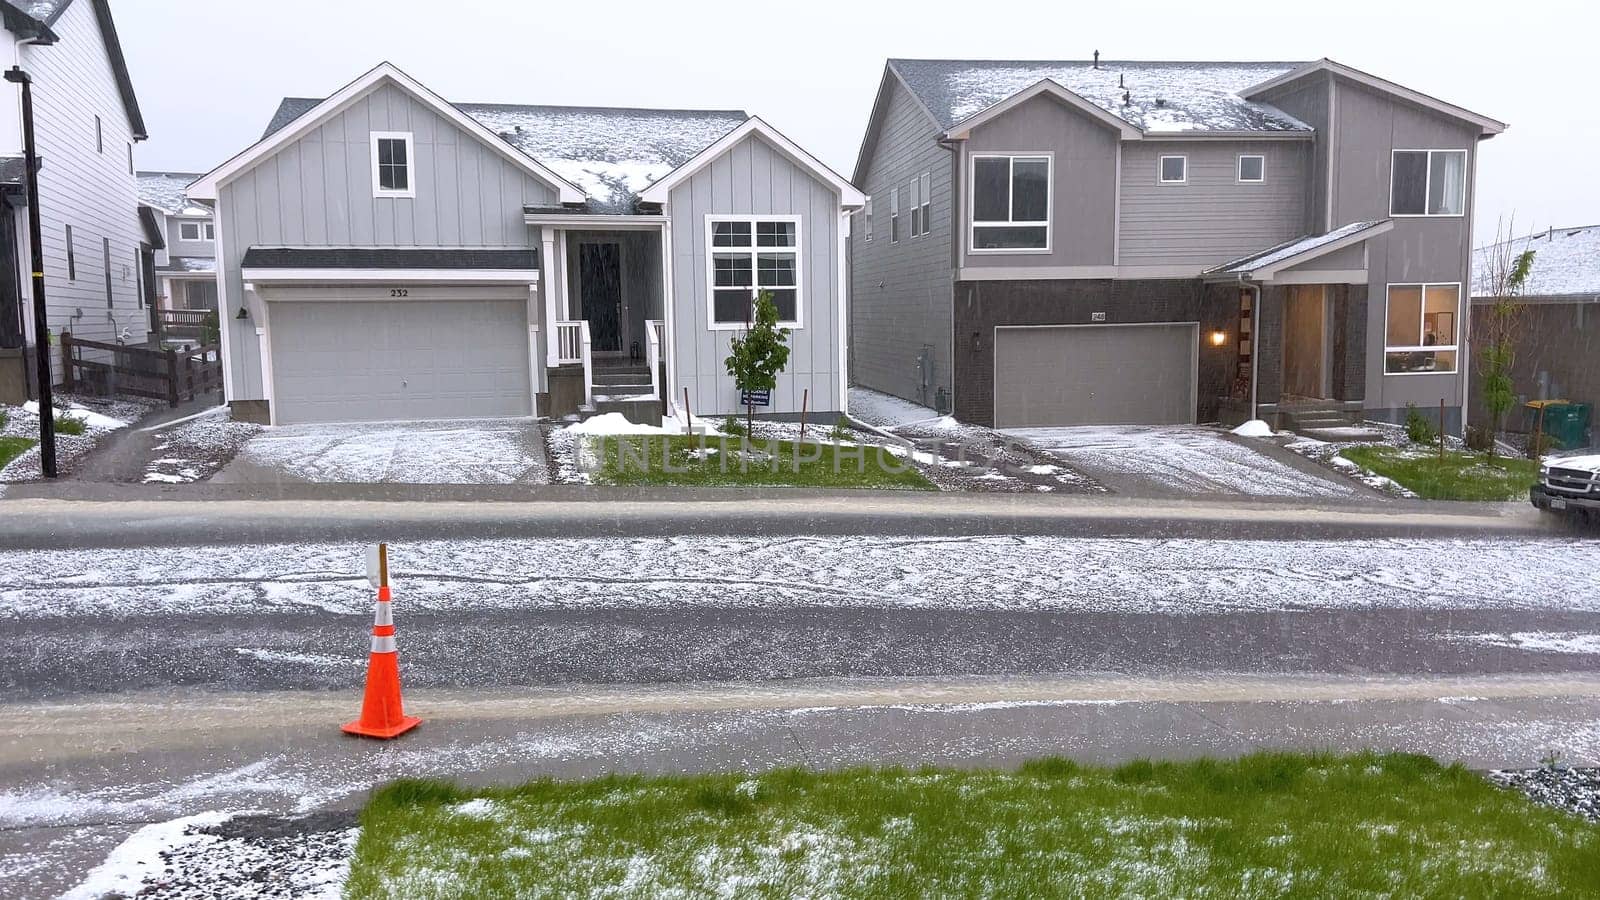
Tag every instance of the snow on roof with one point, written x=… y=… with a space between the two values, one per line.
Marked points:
x=45 y=11
x=1565 y=261
x=612 y=153
x=1290 y=249
x=1162 y=96
x=168 y=192
x=200 y=264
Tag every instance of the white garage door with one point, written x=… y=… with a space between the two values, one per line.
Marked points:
x=1095 y=375
x=429 y=357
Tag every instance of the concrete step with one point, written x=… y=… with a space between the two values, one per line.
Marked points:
x=623 y=378
x=631 y=371
x=639 y=412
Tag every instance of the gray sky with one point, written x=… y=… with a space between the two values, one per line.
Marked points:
x=210 y=72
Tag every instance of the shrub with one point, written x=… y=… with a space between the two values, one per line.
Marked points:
x=1540 y=443
x=4 y=418
x=1479 y=438
x=1418 y=428
x=733 y=427
x=841 y=433
x=67 y=424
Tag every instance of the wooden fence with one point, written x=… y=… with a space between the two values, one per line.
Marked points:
x=92 y=367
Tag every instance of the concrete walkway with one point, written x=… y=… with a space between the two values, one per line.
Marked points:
x=84 y=775
x=124 y=455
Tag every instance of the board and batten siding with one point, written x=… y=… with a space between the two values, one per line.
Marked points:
x=317 y=191
x=753 y=178
x=91 y=190
x=1212 y=217
x=901 y=292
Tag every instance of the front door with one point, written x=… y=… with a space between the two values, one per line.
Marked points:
x=1305 y=343
x=600 y=294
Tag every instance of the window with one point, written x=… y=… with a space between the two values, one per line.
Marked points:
x=189 y=231
x=72 y=257
x=1173 y=169
x=138 y=277
x=391 y=164
x=99 y=136
x=927 y=201
x=750 y=255
x=211 y=232
x=130 y=158
x=1428 y=183
x=1010 y=203
x=866 y=221
x=1252 y=167
x=1421 y=326
x=916 y=206
x=894 y=215
x=105 y=250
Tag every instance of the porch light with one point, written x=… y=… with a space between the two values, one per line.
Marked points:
x=1218 y=338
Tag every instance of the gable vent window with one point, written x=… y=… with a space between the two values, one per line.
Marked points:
x=749 y=255
x=1010 y=203
x=392 y=165
x=1428 y=183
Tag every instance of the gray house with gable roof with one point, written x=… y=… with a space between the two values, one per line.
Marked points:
x=1087 y=242
x=386 y=254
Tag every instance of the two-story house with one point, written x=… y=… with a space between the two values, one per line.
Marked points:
x=386 y=254
x=185 y=268
x=1096 y=242
x=86 y=120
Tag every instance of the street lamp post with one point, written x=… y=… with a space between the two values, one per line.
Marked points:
x=41 y=315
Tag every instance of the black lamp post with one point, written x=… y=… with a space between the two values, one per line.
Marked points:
x=41 y=316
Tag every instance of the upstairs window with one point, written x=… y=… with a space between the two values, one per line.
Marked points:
x=866 y=221
x=391 y=165
x=894 y=215
x=1428 y=183
x=927 y=201
x=1173 y=170
x=1252 y=168
x=916 y=206
x=749 y=255
x=72 y=257
x=196 y=231
x=99 y=136
x=105 y=255
x=1010 y=203
x=1421 y=328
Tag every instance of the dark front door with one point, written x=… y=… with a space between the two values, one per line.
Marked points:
x=600 y=291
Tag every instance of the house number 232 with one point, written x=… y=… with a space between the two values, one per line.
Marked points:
x=399 y=292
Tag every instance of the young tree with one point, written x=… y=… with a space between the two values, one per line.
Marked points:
x=1505 y=272
x=759 y=354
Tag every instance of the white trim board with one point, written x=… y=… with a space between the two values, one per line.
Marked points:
x=335 y=276
x=661 y=192
x=207 y=185
x=754 y=250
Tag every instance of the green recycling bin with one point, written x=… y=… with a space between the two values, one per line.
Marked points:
x=1565 y=422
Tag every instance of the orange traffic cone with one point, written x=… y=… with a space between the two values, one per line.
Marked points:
x=381 y=713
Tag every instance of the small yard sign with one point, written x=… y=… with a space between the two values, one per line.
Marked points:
x=755 y=398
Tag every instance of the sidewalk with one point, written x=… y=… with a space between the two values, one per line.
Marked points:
x=94 y=771
x=100 y=515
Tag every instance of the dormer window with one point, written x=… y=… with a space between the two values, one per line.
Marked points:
x=391 y=164
x=196 y=231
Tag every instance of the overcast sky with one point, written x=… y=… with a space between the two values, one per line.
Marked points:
x=210 y=72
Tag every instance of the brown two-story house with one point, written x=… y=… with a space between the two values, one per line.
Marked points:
x=1059 y=243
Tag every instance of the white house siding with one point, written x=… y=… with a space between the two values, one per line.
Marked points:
x=92 y=191
x=317 y=191
x=752 y=178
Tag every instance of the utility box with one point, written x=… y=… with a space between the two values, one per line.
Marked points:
x=1566 y=423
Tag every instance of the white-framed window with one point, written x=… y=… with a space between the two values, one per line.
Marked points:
x=894 y=215
x=916 y=206
x=927 y=202
x=866 y=221
x=99 y=136
x=1172 y=170
x=750 y=254
x=393 y=169
x=196 y=231
x=1422 y=325
x=1428 y=183
x=1010 y=199
x=1252 y=168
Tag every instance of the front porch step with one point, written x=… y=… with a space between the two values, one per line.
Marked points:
x=603 y=377
x=622 y=371
x=646 y=411
x=1308 y=417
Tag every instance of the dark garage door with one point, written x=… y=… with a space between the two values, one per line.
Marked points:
x=1095 y=375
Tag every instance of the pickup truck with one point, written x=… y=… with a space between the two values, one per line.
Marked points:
x=1569 y=485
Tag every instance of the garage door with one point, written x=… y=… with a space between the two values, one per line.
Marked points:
x=427 y=358
x=1095 y=375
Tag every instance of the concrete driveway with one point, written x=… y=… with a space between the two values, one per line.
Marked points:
x=467 y=451
x=1187 y=461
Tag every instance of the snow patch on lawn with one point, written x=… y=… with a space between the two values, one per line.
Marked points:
x=1254 y=428
x=479 y=808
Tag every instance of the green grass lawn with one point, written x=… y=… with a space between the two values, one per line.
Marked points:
x=714 y=461
x=13 y=447
x=1461 y=476
x=1265 y=825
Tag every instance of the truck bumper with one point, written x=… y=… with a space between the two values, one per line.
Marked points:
x=1544 y=499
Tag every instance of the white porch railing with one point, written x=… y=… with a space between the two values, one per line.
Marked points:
x=572 y=346
x=654 y=328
